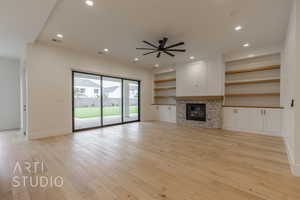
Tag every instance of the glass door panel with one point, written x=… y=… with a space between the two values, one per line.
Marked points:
x=112 y=100
x=86 y=101
x=130 y=100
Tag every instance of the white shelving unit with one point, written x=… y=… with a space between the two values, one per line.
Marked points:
x=253 y=82
x=252 y=95
x=165 y=88
x=165 y=95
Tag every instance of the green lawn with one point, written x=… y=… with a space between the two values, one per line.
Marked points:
x=107 y=111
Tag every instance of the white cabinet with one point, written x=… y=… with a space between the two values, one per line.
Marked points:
x=272 y=121
x=167 y=113
x=256 y=120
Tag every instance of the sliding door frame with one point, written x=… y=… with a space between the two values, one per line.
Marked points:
x=101 y=87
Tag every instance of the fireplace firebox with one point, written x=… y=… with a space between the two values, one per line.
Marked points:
x=196 y=112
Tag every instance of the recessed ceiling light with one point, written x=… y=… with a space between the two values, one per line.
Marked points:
x=156 y=65
x=59 y=35
x=238 y=28
x=89 y=3
x=106 y=50
x=192 y=57
x=136 y=59
x=251 y=55
x=246 y=45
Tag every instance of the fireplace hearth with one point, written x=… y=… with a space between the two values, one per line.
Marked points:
x=196 y=112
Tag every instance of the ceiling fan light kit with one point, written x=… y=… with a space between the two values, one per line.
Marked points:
x=162 y=48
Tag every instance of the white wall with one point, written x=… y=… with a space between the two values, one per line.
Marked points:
x=9 y=94
x=201 y=78
x=289 y=79
x=49 y=90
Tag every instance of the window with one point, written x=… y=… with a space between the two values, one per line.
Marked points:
x=101 y=101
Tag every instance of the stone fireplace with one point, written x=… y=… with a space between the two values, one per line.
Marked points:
x=199 y=111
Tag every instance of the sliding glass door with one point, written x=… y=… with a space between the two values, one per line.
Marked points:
x=102 y=101
x=131 y=100
x=86 y=101
x=112 y=100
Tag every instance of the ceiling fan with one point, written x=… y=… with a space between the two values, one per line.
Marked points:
x=162 y=48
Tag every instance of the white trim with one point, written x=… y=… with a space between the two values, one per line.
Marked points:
x=295 y=168
x=254 y=132
x=46 y=134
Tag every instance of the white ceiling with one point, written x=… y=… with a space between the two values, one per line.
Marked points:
x=21 y=22
x=206 y=26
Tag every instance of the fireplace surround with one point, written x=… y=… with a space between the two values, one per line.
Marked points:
x=213 y=113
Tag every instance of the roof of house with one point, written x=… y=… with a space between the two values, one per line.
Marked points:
x=82 y=82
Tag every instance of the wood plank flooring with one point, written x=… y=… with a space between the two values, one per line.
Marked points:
x=152 y=161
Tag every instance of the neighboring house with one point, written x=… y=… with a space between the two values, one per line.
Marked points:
x=86 y=88
x=87 y=93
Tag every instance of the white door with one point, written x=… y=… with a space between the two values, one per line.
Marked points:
x=253 y=122
x=272 y=121
x=163 y=113
x=230 y=117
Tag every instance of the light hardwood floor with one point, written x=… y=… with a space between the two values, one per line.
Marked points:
x=153 y=161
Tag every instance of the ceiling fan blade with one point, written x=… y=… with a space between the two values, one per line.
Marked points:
x=178 y=50
x=158 y=55
x=170 y=54
x=150 y=44
x=175 y=45
x=145 y=49
x=150 y=52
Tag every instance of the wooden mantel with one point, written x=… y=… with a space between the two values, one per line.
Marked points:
x=199 y=98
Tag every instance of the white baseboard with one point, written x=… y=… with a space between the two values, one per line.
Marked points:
x=295 y=168
x=46 y=134
x=251 y=131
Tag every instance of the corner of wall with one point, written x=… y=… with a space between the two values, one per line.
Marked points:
x=295 y=168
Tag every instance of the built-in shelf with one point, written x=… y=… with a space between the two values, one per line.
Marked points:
x=253 y=82
x=165 y=88
x=199 y=98
x=165 y=80
x=255 y=69
x=273 y=80
x=270 y=107
x=252 y=94
x=163 y=97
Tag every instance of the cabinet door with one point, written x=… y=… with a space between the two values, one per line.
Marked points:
x=252 y=120
x=230 y=117
x=167 y=114
x=272 y=121
x=243 y=119
x=163 y=113
x=227 y=118
x=172 y=112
